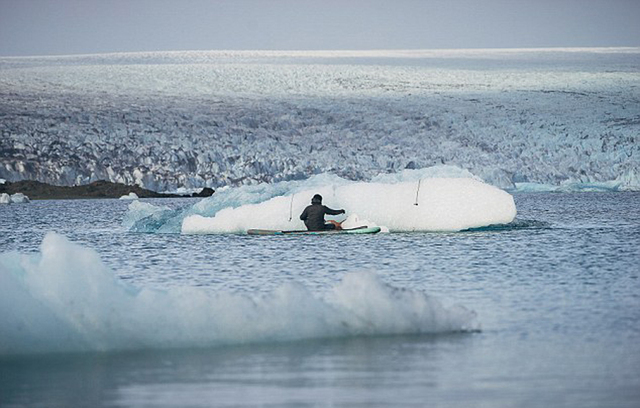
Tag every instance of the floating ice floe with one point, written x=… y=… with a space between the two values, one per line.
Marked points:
x=17 y=198
x=430 y=204
x=145 y=217
x=130 y=196
x=440 y=199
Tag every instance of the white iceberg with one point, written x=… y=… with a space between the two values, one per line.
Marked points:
x=19 y=198
x=67 y=300
x=431 y=204
x=130 y=196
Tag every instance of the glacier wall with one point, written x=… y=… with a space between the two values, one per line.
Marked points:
x=515 y=118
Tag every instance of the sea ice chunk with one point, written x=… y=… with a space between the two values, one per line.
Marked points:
x=130 y=196
x=432 y=204
x=65 y=299
x=19 y=198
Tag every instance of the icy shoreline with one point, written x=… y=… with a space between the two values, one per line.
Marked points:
x=194 y=119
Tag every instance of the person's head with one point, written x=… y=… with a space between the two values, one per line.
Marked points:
x=317 y=199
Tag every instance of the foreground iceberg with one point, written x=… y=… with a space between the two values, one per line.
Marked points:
x=65 y=299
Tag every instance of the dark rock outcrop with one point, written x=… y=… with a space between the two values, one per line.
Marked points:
x=36 y=190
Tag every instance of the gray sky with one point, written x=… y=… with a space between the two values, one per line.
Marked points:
x=50 y=27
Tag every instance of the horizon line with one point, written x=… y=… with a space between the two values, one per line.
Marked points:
x=336 y=51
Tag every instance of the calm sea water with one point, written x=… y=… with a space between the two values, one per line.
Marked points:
x=557 y=296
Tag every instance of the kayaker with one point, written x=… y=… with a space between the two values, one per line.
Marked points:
x=313 y=216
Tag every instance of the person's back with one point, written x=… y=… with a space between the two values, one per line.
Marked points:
x=313 y=215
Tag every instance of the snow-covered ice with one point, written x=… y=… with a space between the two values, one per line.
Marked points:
x=444 y=198
x=17 y=198
x=560 y=118
x=130 y=196
x=436 y=204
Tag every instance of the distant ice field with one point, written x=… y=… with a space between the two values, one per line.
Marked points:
x=164 y=120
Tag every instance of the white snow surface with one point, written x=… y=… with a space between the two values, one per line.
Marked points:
x=19 y=198
x=447 y=198
x=556 y=118
x=130 y=196
x=435 y=204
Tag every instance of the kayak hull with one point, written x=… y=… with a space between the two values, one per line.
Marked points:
x=360 y=230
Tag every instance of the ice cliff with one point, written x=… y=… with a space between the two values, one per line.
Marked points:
x=555 y=117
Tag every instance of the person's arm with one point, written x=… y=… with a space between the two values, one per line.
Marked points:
x=330 y=211
x=304 y=215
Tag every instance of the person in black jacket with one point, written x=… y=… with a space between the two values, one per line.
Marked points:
x=313 y=216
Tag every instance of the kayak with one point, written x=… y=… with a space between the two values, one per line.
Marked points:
x=358 y=230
